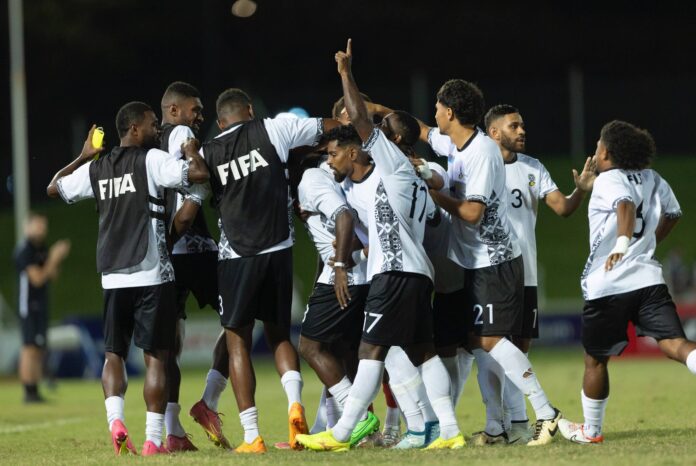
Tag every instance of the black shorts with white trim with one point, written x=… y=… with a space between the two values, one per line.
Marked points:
x=147 y=314
x=494 y=298
x=398 y=311
x=530 y=317
x=255 y=287
x=605 y=320
x=324 y=320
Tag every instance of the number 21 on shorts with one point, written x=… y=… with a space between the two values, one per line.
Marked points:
x=478 y=311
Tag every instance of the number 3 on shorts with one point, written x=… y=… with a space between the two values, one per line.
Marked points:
x=376 y=316
x=478 y=309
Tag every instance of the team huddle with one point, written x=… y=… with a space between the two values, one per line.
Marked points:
x=422 y=270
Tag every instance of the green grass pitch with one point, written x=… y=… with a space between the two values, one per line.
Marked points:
x=651 y=419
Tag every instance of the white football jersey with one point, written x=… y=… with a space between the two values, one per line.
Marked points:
x=527 y=181
x=476 y=173
x=395 y=203
x=449 y=277
x=638 y=268
x=319 y=193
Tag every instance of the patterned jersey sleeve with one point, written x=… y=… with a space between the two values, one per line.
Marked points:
x=610 y=189
x=387 y=156
x=668 y=201
x=441 y=144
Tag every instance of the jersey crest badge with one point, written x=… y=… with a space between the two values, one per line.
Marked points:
x=532 y=180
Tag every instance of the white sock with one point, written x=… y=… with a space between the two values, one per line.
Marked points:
x=250 y=423
x=515 y=406
x=403 y=392
x=691 y=362
x=392 y=418
x=365 y=387
x=341 y=391
x=154 y=426
x=292 y=384
x=519 y=370
x=466 y=361
x=114 y=409
x=491 y=379
x=320 y=420
x=333 y=412
x=438 y=386
x=452 y=366
x=215 y=384
x=171 y=420
x=594 y=414
x=402 y=371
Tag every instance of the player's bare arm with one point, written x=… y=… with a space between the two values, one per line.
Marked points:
x=469 y=211
x=431 y=178
x=355 y=105
x=87 y=154
x=344 y=242
x=664 y=227
x=39 y=275
x=565 y=205
x=198 y=170
x=626 y=221
x=382 y=111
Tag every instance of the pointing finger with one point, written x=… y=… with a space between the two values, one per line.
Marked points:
x=349 y=47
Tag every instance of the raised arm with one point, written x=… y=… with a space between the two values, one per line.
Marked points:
x=382 y=111
x=87 y=154
x=355 y=105
x=566 y=205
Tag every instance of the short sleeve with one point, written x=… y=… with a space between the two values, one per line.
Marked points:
x=166 y=171
x=610 y=189
x=546 y=183
x=316 y=194
x=479 y=169
x=386 y=155
x=443 y=173
x=668 y=201
x=288 y=133
x=177 y=137
x=441 y=144
x=76 y=186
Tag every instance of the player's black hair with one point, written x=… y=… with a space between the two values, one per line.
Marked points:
x=340 y=104
x=344 y=135
x=464 y=98
x=181 y=89
x=498 y=111
x=408 y=128
x=231 y=100
x=629 y=147
x=130 y=114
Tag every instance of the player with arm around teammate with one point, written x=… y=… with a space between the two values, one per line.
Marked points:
x=630 y=211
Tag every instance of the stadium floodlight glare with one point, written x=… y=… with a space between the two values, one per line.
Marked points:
x=243 y=8
x=287 y=116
